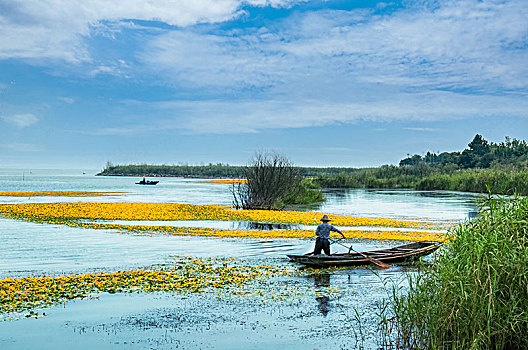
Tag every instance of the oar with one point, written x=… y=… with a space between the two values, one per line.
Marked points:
x=369 y=258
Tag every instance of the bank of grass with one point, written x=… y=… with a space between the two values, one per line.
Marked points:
x=475 y=296
x=308 y=192
x=503 y=181
x=477 y=180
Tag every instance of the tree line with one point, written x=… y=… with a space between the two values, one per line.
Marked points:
x=480 y=153
x=210 y=170
x=501 y=166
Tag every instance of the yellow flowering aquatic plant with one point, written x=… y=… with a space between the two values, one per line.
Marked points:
x=400 y=235
x=175 y=211
x=187 y=275
x=220 y=181
x=73 y=214
x=61 y=194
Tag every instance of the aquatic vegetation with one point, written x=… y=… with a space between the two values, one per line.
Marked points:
x=61 y=194
x=300 y=233
x=218 y=277
x=73 y=214
x=186 y=275
x=175 y=211
x=475 y=295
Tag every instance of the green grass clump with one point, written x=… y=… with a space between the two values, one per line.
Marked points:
x=475 y=296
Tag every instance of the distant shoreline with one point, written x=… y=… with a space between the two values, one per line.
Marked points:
x=421 y=177
x=205 y=171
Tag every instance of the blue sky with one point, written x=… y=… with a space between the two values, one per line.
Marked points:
x=326 y=83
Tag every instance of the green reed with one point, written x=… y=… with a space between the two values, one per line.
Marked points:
x=502 y=180
x=475 y=295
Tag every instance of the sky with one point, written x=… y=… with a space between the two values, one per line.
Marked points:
x=326 y=83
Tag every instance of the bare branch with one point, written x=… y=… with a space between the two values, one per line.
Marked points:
x=271 y=177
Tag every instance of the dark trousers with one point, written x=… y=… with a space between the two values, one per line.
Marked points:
x=322 y=243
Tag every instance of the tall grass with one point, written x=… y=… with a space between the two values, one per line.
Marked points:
x=503 y=181
x=477 y=180
x=475 y=296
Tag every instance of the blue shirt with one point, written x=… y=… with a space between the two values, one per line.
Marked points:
x=323 y=230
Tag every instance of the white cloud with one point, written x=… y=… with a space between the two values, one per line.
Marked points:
x=274 y=3
x=153 y=125
x=55 y=29
x=446 y=45
x=254 y=116
x=198 y=60
x=445 y=59
x=453 y=59
x=65 y=99
x=116 y=68
x=469 y=44
x=250 y=116
x=21 y=147
x=20 y=120
x=421 y=129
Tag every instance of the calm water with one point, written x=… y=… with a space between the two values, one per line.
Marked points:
x=200 y=321
x=435 y=205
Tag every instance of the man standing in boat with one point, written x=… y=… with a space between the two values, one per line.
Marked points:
x=323 y=234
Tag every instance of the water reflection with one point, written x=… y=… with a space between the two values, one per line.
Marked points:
x=321 y=280
x=324 y=305
x=322 y=283
x=472 y=214
x=405 y=204
x=265 y=226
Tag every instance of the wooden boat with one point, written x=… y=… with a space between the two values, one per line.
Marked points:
x=146 y=182
x=403 y=253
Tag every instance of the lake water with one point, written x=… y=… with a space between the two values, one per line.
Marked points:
x=405 y=204
x=161 y=321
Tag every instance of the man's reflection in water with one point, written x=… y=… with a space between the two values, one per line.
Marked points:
x=324 y=304
x=322 y=280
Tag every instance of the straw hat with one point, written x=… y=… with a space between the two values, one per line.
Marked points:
x=325 y=218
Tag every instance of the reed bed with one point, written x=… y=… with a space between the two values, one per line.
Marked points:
x=426 y=178
x=475 y=296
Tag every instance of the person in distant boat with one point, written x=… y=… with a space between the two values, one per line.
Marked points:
x=323 y=234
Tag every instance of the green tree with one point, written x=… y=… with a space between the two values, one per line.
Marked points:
x=475 y=156
x=412 y=160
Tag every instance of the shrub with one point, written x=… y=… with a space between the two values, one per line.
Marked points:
x=272 y=183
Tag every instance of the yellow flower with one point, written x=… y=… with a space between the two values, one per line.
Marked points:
x=72 y=214
x=61 y=193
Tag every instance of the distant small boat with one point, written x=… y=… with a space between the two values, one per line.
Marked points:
x=404 y=253
x=146 y=182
